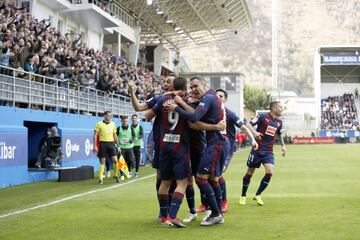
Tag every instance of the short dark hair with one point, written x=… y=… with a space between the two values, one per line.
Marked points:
x=273 y=104
x=197 y=78
x=123 y=117
x=107 y=112
x=134 y=115
x=223 y=91
x=179 y=83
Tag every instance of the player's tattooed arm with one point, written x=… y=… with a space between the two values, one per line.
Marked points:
x=220 y=126
x=256 y=134
x=178 y=100
x=134 y=101
x=283 y=148
x=251 y=136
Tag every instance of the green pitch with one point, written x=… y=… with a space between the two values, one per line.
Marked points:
x=314 y=194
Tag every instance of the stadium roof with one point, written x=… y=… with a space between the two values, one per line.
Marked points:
x=185 y=23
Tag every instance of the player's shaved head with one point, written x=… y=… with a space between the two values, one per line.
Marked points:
x=179 y=83
x=168 y=83
x=276 y=109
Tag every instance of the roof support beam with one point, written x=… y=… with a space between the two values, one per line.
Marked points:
x=201 y=18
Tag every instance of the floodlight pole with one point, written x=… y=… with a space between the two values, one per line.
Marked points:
x=275 y=47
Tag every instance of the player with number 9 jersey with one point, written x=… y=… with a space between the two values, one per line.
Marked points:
x=174 y=142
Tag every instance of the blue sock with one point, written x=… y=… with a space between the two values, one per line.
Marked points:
x=175 y=204
x=264 y=183
x=223 y=187
x=204 y=200
x=190 y=198
x=171 y=191
x=217 y=190
x=246 y=182
x=206 y=188
x=163 y=203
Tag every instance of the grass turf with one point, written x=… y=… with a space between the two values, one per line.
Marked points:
x=314 y=194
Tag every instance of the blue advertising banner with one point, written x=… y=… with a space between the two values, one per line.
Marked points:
x=339 y=133
x=340 y=59
x=77 y=147
x=13 y=149
x=80 y=147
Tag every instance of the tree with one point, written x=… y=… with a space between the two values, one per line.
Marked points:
x=256 y=98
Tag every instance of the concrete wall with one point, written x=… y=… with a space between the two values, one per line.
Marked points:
x=94 y=40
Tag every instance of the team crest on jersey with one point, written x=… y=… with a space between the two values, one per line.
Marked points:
x=270 y=131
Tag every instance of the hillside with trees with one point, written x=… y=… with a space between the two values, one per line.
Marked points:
x=304 y=26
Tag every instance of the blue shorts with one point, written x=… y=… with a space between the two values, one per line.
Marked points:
x=174 y=166
x=230 y=154
x=257 y=158
x=213 y=159
x=195 y=157
x=155 y=162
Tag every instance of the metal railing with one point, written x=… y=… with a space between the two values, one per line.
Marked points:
x=46 y=92
x=113 y=8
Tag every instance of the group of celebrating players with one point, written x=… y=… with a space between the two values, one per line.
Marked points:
x=194 y=138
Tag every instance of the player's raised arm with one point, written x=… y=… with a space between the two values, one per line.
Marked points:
x=220 y=126
x=152 y=112
x=134 y=101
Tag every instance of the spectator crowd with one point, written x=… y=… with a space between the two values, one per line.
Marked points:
x=33 y=45
x=338 y=112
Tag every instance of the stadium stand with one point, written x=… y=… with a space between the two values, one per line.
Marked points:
x=338 y=112
x=32 y=46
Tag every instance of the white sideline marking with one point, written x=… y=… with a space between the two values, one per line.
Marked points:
x=71 y=197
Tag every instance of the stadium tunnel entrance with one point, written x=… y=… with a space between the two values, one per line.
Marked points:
x=36 y=137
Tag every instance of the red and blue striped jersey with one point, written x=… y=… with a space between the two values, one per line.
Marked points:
x=210 y=110
x=269 y=127
x=174 y=128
